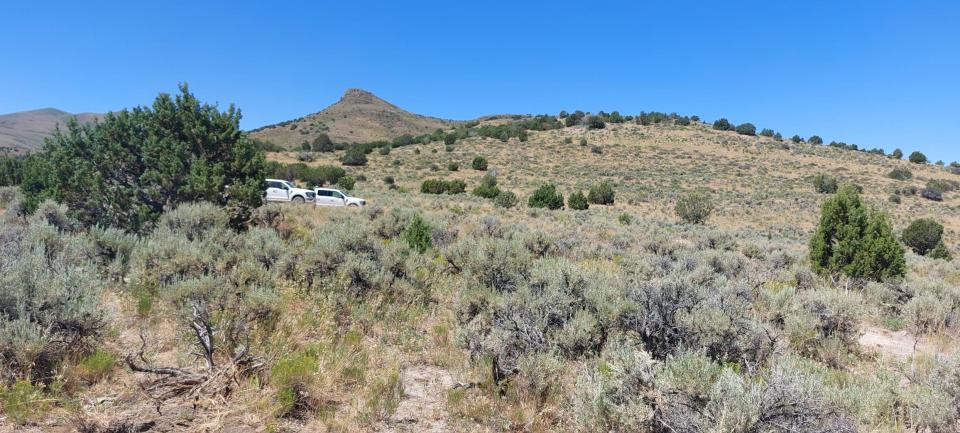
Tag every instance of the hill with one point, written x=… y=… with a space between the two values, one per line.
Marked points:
x=358 y=117
x=24 y=132
x=455 y=312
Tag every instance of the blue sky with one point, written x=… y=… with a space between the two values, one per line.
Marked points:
x=873 y=73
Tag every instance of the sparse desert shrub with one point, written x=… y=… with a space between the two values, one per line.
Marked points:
x=796 y=139
x=305 y=156
x=825 y=184
x=453 y=166
x=897 y=154
x=596 y=150
x=767 y=132
x=23 y=402
x=815 y=139
x=384 y=150
x=746 y=129
x=355 y=155
x=96 y=366
x=546 y=196
x=479 y=163
x=601 y=193
x=900 y=173
x=932 y=192
x=506 y=200
x=610 y=394
x=625 y=219
x=487 y=188
x=918 y=158
x=577 y=201
x=855 y=240
x=292 y=377
x=583 y=141
x=418 y=235
x=694 y=207
x=922 y=235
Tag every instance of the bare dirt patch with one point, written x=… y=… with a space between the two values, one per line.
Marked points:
x=423 y=408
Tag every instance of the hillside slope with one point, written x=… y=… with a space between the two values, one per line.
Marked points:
x=24 y=132
x=359 y=116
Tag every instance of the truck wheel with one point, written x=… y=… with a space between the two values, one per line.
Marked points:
x=353 y=205
x=298 y=200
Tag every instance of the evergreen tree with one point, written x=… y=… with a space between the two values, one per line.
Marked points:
x=125 y=170
x=855 y=240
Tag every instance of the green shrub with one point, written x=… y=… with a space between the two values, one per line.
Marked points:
x=453 y=166
x=815 y=139
x=583 y=141
x=355 y=155
x=940 y=252
x=347 y=182
x=292 y=376
x=625 y=219
x=932 y=192
x=577 y=201
x=900 y=174
x=767 y=132
x=722 y=124
x=487 y=188
x=596 y=122
x=746 y=129
x=695 y=207
x=506 y=199
x=601 y=193
x=825 y=184
x=918 y=158
x=897 y=154
x=546 y=196
x=23 y=402
x=384 y=150
x=449 y=138
x=479 y=163
x=125 y=169
x=922 y=235
x=96 y=366
x=855 y=240
x=418 y=235
x=323 y=144
x=438 y=186
x=796 y=139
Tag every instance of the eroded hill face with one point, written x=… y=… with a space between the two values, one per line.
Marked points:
x=358 y=117
x=24 y=132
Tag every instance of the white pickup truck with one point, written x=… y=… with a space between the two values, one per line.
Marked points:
x=335 y=197
x=282 y=190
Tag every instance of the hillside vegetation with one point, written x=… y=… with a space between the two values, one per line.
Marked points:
x=24 y=132
x=358 y=117
x=647 y=273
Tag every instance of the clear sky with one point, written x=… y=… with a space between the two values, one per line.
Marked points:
x=874 y=73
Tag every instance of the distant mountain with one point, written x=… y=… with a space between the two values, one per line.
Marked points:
x=359 y=116
x=24 y=132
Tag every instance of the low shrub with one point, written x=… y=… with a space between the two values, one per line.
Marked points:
x=346 y=182
x=722 y=124
x=900 y=173
x=601 y=193
x=746 y=129
x=439 y=186
x=453 y=166
x=546 y=196
x=695 y=207
x=825 y=184
x=487 y=188
x=479 y=163
x=355 y=155
x=941 y=252
x=917 y=158
x=577 y=201
x=418 y=235
x=506 y=200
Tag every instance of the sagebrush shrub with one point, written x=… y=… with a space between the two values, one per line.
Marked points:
x=506 y=199
x=825 y=184
x=695 y=207
x=941 y=252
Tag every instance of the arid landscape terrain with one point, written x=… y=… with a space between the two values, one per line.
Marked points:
x=680 y=296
